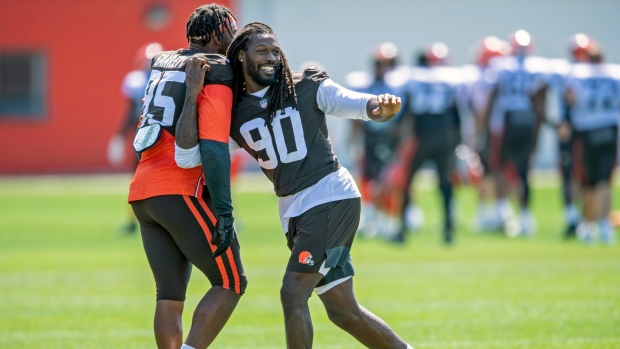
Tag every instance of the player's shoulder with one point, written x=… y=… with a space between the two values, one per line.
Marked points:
x=311 y=74
x=398 y=77
x=220 y=71
x=537 y=65
x=134 y=83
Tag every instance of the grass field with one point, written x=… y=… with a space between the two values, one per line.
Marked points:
x=69 y=280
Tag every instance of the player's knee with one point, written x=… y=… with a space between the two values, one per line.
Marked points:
x=343 y=317
x=291 y=297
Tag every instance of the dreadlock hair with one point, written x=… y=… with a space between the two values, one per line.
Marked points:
x=207 y=20
x=282 y=91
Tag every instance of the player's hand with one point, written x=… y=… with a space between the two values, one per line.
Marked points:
x=116 y=150
x=564 y=131
x=223 y=235
x=389 y=105
x=195 y=71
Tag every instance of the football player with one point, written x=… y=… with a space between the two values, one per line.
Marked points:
x=578 y=49
x=478 y=94
x=515 y=114
x=435 y=95
x=380 y=141
x=593 y=98
x=182 y=222
x=279 y=118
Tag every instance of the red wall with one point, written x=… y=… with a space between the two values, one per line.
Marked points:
x=90 y=45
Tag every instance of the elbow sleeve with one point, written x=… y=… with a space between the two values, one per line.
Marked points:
x=216 y=167
x=187 y=158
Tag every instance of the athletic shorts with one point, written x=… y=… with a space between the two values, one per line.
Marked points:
x=176 y=233
x=320 y=240
x=594 y=155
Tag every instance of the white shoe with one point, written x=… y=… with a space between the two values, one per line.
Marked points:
x=414 y=217
x=488 y=218
x=527 y=224
x=607 y=234
x=368 y=221
x=587 y=232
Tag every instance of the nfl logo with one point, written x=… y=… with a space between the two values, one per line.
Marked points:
x=263 y=103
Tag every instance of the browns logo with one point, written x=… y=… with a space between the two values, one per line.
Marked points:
x=306 y=258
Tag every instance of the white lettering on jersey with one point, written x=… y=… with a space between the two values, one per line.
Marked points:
x=164 y=105
x=264 y=143
x=280 y=133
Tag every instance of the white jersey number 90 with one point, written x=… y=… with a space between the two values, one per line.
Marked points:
x=285 y=127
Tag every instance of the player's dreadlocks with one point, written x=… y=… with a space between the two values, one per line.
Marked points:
x=207 y=20
x=282 y=91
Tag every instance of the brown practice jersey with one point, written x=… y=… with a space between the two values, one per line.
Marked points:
x=157 y=172
x=294 y=151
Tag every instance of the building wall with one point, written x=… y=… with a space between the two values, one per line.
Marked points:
x=89 y=47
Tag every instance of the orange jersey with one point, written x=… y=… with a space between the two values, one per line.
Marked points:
x=158 y=174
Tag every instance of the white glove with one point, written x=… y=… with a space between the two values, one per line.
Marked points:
x=116 y=150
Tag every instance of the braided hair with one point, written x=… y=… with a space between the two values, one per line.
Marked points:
x=282 y=91
x=208 y=20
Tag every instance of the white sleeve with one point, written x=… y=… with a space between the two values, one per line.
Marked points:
x=336 y=100
x=187 y=158
x=232 y=145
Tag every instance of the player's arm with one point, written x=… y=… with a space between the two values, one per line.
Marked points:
x=488 y=109
x=336 y=100
x=187 y=154
x=564 y=128
x=211 y=113
x=539 y=100
x=214 y=119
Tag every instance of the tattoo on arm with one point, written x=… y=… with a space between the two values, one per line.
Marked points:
x=186 y=132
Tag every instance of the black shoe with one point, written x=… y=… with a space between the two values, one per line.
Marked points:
x=400 y=237
x=448 y=234
x=570 y=232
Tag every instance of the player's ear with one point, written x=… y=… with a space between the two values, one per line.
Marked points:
x=216 y=39
x=241 y=56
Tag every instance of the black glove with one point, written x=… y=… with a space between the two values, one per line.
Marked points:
x=223 y=235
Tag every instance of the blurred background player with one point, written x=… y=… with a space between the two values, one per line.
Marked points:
x=133 y=87
x=516 y=109
x=593 y=98
x=379 y=144
x=478 y=94
x=578 y=49
x=432 y=119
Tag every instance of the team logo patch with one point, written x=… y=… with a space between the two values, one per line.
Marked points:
x=263 y=103
x=306 y=258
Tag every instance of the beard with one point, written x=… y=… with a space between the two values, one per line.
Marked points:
x=254 y=72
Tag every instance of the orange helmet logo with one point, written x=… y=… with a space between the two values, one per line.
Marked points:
x=306 y=258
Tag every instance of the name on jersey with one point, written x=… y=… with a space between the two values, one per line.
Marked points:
x=170 y=61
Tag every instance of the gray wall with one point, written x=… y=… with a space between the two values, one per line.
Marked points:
x=341 y=34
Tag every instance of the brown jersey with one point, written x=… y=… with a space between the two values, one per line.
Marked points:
x=294 y=150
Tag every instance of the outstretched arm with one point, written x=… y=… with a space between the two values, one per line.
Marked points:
x=336 y=100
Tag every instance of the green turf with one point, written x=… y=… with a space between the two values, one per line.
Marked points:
x=69 y=280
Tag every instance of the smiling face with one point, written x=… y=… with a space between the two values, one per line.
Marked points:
x=260 y=61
